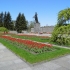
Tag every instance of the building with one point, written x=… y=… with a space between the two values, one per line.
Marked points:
x=45 y=29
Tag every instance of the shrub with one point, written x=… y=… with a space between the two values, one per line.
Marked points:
x=3 y=29
x=61 y=35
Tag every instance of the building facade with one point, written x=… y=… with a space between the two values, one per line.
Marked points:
x=45 y=29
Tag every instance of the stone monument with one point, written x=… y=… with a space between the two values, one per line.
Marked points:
x=36 y=24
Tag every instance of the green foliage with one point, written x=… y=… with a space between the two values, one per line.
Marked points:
x=54 y=33
x=33 y=50
x=61 y=35
x=3 y=29
x=31 y=25
x=64 y=17
x=21 y=23
x=61 y=32
x=7 y=21
x=31 y=58
x=33 y=38
x=1 y=19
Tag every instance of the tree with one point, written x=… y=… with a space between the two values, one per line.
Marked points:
x=1 y=19
x=7 y=21
x=21 y=23
x=61 y=32
x=62 y=35
x=18 y=24
x=64 y=17
x=30 y=25
x=3 y=29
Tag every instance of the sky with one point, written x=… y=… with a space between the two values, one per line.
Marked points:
x=47 y=10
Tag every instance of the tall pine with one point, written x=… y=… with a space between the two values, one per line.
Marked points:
x=7 y=21
x=21 y=23
x=1 y=19
x=18 y=24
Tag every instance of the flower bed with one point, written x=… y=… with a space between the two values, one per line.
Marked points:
x=33 y=55
x=33 y=47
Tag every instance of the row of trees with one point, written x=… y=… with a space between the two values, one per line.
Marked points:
x=19 y=24
x=5 y=20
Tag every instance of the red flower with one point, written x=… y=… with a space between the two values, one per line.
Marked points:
x=27 y=42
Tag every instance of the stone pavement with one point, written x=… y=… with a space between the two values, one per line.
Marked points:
x=9 y=61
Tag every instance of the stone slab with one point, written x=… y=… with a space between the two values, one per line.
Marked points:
x=18 y=61
x=28 y=68
x=62 y=68
x=51 y=65
x=68 y=56
x=2 y=47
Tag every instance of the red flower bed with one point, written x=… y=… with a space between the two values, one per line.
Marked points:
x=27 y=42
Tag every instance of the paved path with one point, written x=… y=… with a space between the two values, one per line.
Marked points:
x=9 y=61
x=62 y=46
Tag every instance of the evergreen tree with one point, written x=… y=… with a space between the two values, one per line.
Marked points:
x=21 y=23
x=7 y=21
x=1 y=19
x=18 y=24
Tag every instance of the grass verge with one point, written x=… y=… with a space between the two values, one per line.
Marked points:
x=34 y=58
x=33 y=38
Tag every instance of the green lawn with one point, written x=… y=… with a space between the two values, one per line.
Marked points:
x=31 y=58
x=33 y=38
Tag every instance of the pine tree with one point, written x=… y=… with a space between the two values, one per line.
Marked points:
x=21 y=23
x=7 y=21
x=1 y=19
x=10 y=23
x=18 y=23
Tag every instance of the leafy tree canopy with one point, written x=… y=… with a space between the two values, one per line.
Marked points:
x=64 y=17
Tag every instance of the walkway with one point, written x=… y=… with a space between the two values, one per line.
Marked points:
x=9 y=61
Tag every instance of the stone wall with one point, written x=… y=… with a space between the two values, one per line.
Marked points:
x=45 y=29
x=13 y=32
